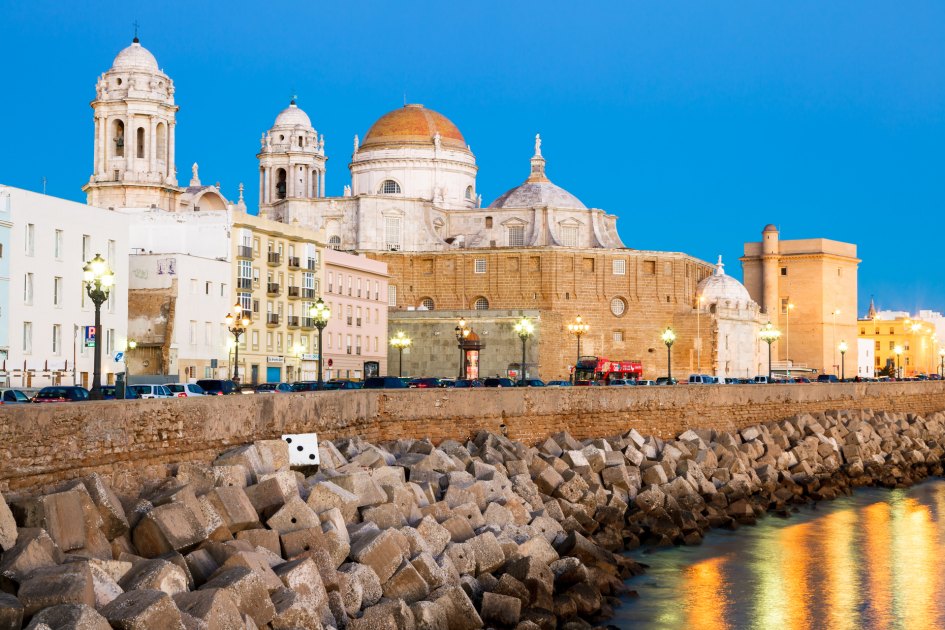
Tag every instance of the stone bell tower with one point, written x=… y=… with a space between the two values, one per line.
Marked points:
x=133 y=164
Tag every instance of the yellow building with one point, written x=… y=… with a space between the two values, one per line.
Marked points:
x=276 y=277
x=807 y=288
x=904 y=343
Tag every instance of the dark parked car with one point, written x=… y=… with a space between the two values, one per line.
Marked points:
x=531 y=382
x=466 y=383
x=346 y=384
x=218 y=387
x=663 y=380
x=424 y=383
x=802 y=379
x=827 y=378
x=498 y=382
x=384 y=382
x=61 y=394
x=273 y=388
x=13 y=397
x=108 y=393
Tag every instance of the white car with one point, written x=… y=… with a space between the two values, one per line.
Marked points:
x=646 y=383
x=185 y=390
x=152 y=391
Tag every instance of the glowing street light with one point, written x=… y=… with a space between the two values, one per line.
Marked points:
x=769 y=334
x=843 y=351
x=524 y=328
x=320 y=312
x=941 y=353
x=578 y=328
x=462 y=331
x=400 y=341
x=99 y=280
x=237 y=322
x=669 y=338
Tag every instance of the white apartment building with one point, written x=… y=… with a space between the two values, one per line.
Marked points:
x=865 y=358
x=46 y=313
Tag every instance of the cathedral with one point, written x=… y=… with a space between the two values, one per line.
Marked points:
x=412 y=203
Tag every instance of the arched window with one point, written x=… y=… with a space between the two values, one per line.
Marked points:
x=334 y=242
x=618 y=306
x=469 y=192
x=427 y=303
x=481 y=304
x=118 y=136
x=390 y=187
x=139 y=142
x=280 y=183
x=161 y=142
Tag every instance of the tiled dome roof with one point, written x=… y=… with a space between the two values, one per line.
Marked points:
x=413 y=124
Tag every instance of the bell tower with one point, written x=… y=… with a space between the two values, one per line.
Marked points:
x=134 y=112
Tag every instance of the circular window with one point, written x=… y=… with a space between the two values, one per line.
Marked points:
x=427 y=303
x=481 y=304
x=618 y=306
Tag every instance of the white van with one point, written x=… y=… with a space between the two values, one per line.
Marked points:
x=702 y=379
x=762 y=380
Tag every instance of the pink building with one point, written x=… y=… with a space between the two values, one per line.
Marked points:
x=355 y=339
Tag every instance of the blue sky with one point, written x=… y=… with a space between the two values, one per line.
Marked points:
x=696 y=123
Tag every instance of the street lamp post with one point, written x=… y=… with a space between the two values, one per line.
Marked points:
x=462 y=331
x=941 y=368
x=898 y=352
x=320 y=312
x=787 y=337
x=132 y=344
x=236 y=323
x=400 y=341
x=669 y=338
x=524 y=329
x=769 y=334
x=836 y=312
x=99 y=280
x=843 y=352
x=577 y=328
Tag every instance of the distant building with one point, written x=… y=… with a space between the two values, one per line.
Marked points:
x=46 y=318
x=915 y=337
x=865 y=358
x=808 y=289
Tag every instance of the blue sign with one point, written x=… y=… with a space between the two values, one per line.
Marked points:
x=119 y=356
x=89 y=336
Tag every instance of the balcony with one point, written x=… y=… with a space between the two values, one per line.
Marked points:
x=274 y=259
x=244 y=283
x=311 y=264
x=244 y=251
x=272 y=289
x=308 y=322
x=293 y=292
x=308 y=293
x=272 y=319
x=294 y=262
x=293 y=321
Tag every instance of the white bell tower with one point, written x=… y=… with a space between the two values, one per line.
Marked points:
x=133 y=164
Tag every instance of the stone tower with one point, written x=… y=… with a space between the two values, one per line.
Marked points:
x=134 y=109
x=291 y=163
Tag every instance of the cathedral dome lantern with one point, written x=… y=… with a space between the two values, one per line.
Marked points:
x=291 y=161
x=538 y=190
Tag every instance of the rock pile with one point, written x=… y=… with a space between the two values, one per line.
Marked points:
x=491 y=533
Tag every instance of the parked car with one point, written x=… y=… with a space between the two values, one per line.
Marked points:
x=621 y=381
x=384 y=382
x=461 y=383
x=642 y=383
x=218 y=387
x=802 y=379
x=827 y=378
x=558 y=384
x=702 y=379
x=424 y=383
x=346 y=384
x=13 y=397
x=185 y=390
x=498 y=382
x=665 y=380
x=151 y=391
x=110 y=392
x=761 y=380
x=273 y=388
x=531 y=382
x=61 y=394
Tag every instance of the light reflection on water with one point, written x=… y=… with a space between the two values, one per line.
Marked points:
x=873 y=560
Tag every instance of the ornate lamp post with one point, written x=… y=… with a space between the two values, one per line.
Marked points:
x=462 y=331
x=99 y=280
x=941 y=369
x=898 y=352
x=400 y=341
x=769 y=334
x=236 y=323
x=577 y=328
x=524 y=329
x=843 y=352
x=669 y=338
x=320 y=313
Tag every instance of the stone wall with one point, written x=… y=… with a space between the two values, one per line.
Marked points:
x=138 y=441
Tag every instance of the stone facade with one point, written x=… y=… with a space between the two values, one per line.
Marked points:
x=808 y=289
x=138 y=442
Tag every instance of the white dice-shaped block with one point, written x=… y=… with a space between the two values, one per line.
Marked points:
x=303 y=449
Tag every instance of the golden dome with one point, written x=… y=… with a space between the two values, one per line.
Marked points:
x=413 y=124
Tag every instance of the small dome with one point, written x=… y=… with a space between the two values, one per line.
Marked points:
x=538 y=194
x=135 y=57
x=413 y=124
x=720 y=287
x=292 y=116
x=770 y=228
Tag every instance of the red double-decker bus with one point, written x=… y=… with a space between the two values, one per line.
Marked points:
x=601 y=370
